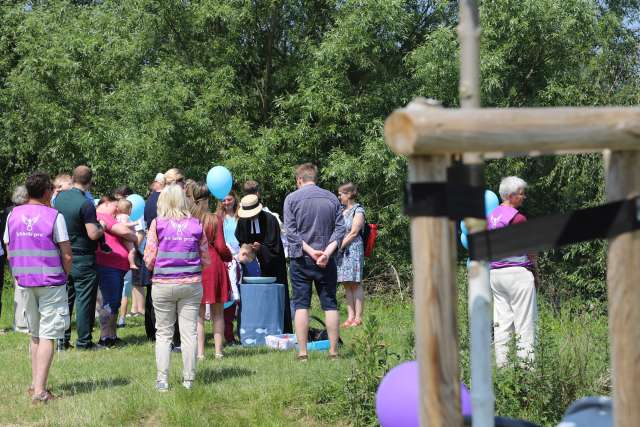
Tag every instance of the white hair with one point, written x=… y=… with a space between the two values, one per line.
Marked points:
x=511 y=185
x=20 y=195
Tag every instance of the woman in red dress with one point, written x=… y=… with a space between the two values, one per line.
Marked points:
x=215 y=278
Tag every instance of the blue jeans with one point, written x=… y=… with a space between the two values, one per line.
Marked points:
x=111 y=282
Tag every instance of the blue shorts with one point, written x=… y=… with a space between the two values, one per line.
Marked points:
x=111 y=282
x=304 y=271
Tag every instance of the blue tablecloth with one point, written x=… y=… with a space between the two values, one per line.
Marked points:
x=261 y=312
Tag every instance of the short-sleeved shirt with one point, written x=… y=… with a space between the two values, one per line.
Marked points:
x=59 y=231
x=118 y=258
x=78 y=211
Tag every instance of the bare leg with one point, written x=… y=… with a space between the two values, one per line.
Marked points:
x=200 y=331
x=217 y=312
x=351 y=312
x=131 y=256
x=332 y=319
x=124 y=303
x=41 y=357
x=302 y=329
x=358 y=294
x=137 y=296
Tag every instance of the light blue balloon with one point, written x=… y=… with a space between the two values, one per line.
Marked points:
x=463 y=228
x=137 y=210
x=464 y=240
x=95 y=202
x=219 y=181
x=491 y=202
x=228 y=304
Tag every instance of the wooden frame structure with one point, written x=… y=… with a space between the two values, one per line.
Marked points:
x=431 y=136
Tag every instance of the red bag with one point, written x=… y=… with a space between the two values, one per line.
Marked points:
x=369 y=237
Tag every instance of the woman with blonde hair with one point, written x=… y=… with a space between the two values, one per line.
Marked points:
x=174 y=176
x=176 y=252
x=215 y=278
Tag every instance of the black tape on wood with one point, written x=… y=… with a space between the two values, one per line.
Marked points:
x=426 y=199
x=554 y=231
x=465 y=191
x=462 y=196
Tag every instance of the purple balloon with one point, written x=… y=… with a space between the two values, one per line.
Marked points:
x=397 y=397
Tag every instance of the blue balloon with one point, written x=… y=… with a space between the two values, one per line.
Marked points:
x=95 y=202
x=491 y=202
x=464 y=240
x=137 y=210
x=219 y=181
x=463 y=228
x=228 y=304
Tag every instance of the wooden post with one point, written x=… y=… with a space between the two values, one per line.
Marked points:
x=433 y=247
x=623 y=270
x=480 y=297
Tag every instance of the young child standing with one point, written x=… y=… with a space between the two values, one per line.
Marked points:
x=244 y=263
x=123 y=211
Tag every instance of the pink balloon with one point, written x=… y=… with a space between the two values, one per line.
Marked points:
x=397 y=397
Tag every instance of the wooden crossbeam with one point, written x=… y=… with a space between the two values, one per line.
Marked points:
x=420 y=130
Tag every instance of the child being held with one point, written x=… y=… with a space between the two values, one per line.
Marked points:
x=123 y=210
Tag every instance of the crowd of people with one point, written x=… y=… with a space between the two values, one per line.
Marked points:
x=177 y=265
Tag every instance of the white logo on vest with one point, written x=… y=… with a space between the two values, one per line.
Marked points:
x=30 y=222
x=179 y=227
x=495 y=220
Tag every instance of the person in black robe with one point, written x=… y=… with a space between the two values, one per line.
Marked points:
x=262 y=230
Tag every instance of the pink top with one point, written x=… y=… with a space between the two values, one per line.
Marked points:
x=118 y=258
x=151 y=252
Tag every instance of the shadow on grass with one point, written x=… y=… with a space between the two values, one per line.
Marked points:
x=209 y=375
x=136 y=339
x=79 y=387
x=244 y=351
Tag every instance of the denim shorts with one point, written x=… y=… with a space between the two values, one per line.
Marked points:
x=47 y=311
x=304 y=272
x=111 y=282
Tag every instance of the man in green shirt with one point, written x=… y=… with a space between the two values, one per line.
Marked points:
x=84 y=232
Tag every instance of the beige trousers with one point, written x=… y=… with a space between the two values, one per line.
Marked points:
x=514 y=311
x=183 y=300
x=20 y=310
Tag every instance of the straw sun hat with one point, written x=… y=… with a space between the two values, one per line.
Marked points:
x=250 y=206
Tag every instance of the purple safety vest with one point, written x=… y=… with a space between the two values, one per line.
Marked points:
x=498 y=218
x=33 y=255
x=178 y=248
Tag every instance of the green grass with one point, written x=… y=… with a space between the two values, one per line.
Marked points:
x=250 y=386
x=253 y=386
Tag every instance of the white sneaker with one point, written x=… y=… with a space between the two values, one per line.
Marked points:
x=162 y=386
x=187 y=384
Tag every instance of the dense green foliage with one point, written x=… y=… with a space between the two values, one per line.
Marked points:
x=134 y=87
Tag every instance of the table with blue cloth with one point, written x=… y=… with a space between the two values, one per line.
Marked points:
x=261 y=312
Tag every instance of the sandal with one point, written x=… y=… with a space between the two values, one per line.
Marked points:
x=333 y=356
x=356 y=322
x=43 y=397
x=302 y=357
